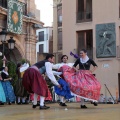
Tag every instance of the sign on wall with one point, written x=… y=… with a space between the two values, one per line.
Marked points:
x=105 y=40
x=15 y=15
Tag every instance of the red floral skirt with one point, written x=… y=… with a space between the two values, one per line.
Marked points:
x=82 y=83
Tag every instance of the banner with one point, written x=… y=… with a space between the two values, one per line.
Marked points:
x=15 y=15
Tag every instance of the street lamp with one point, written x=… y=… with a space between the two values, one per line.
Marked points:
x=3 y=35
x=11 y=43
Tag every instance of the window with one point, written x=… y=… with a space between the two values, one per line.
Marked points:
x=24 y=9
x=41 y=48
x=60 y=39
x=59 y=15
x=85 y=40
x=41 y=36
x=3 y=3
x=84 y=10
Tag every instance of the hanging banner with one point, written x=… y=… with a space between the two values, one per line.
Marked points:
x=15 y=15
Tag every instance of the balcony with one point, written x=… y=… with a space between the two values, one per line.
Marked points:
x=3 y=3
x=84 y=17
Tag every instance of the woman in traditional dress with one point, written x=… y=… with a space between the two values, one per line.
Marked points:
x=20 y=91
x=2 y=94
x=82 y=82
x=8 y=88
x=63 y=93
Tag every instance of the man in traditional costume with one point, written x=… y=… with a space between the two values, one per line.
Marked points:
x=34 y=82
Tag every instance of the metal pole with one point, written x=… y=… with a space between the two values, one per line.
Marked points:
x=3 y=48
x=105 y=95
x=109 y=92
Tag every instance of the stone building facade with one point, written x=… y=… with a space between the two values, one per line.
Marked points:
x=25 y=45
x=95 y=26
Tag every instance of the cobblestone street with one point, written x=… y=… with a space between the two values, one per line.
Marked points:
x=73 y=112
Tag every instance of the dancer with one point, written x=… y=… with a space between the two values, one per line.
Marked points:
x=65 y=92
x=49 y=98
x=2 y=94
x=8 y=89
x=82 y=82
x=20 y=91
x=35 y=83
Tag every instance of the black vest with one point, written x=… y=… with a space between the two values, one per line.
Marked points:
x=41 y=66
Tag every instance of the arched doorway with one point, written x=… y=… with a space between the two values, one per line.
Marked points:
x=11 y=55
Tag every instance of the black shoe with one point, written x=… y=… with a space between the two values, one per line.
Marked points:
x=19 y=103
x=25 y=103
x=62 y=104
x=9 y=103
x=38 y=104
x=1 y=103
x=34 y=106
x=95 y=103
x=44 y=107
x=83 y=106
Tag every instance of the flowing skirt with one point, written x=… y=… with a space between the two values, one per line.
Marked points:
x=33 y=82
x=19 y=89
x=9 y=92
x=2 y=94
x=83 y=83
x=65 y=91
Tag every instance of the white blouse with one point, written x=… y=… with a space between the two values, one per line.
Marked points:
x=24 y=67
x=57 y=66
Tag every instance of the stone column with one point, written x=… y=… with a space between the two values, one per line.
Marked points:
x=30 y=44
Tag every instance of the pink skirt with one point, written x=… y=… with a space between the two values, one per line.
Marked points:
x=83 y=83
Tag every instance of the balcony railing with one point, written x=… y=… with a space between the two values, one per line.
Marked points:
x=84 y=16
x=3 y=3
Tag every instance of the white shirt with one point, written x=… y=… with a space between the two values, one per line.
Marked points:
x=57 y=66
x=24 y=67
x=50 y=74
